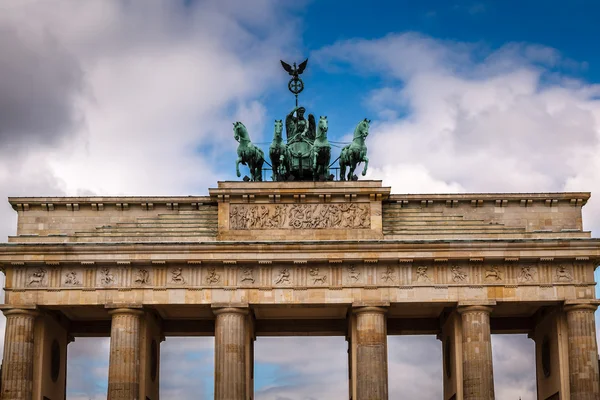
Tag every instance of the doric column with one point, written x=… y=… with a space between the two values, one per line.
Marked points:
x=583 y=352
x=478 y=373
x=17 y=366
x=124 y=364
x=371 y=353
x=231 y=334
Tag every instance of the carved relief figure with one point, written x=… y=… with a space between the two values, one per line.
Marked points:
x=71 y=278
x=316 y=277
x=458 y=275
x=527 y=273
x=388 y=275
x=247 y=274
x=142 y=277
x=300 y=216
x=562 y=274
x=422 y=275
x=177 y=276
x=493 y=273
x=283 y=277
x=37 y=277
x=107 y=278
x=212 y=277
x=353 y=274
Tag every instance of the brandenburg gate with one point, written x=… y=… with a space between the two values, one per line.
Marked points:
x=295 y=258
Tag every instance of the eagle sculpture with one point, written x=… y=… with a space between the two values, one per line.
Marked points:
x=294 y=71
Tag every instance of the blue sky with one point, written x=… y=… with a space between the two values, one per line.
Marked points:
x=137 y=98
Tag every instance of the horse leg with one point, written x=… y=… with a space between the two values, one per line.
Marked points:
x=351 y=171
x=237 y=166
x=366 y=160
x=342 y=171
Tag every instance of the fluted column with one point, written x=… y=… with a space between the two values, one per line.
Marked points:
x=231 y=332
x=583 y=352
x=478 y=373
x=371 y=354
x=17 y=367
x=124 y=364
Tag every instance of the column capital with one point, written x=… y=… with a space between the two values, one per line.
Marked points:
x=124 y=310
x=231 y=310
x=474 y=308
x=20 y=311
x=370 y=309
x=580 y=307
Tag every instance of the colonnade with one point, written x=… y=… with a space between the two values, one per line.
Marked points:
x=367 y=337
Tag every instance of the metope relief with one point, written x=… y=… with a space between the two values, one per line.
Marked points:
x=247 y=275
x=212 y=277
x=71 y=279
x=37 y=278
x=177 y=276
x=353 y=274
x=300 y=216
x=283 y=277
x=527 y=273
x=317 y=277
x=563 y=274
x=106 y=277
x=423 y=274
x=493 y=273
x=458 y=275
x=388 y=275
x=142 y=277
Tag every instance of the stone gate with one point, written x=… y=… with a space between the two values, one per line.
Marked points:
x=293 y=258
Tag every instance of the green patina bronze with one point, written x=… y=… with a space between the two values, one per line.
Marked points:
x=248 y=154
x=306 y=154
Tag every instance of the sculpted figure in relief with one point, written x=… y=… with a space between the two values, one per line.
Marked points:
x=388 y=275
x=283 y=277
x=212 y=277
x=353 y=274
x=458 y=275
x=527 y=273
x=177 y=276
x=562 y=274
x=316 y=277
x=493 y=273
x=422 y=275
x=107 y=277
x=71 y=278
x=143 y=277
x=37 y=277
x=247 y=274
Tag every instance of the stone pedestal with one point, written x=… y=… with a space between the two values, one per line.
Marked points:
x=478 y=374
x=369 y=361
x=583 y=352
x=231 y=352
x=124 y=364
x=17 y=366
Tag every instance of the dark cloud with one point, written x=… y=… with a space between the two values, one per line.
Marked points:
x=39 y=81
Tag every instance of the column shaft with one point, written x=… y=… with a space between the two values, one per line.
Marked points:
x=124 y=364
x=17 y=366
x=371 y=354
x=583 y=352
x=231 y=332
x=478 y=374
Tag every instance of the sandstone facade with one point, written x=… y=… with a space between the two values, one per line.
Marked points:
x=327 y=258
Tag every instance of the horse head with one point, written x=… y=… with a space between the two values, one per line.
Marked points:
x=277 y=135
x=239 y=131
x=322 y=127
x=362 y=129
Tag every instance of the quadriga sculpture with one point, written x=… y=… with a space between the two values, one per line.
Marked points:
x=248 y=154
x=321 y=151
x=279 y=154
x=355 y=152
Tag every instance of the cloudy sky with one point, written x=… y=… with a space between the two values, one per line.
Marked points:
x=137 y=98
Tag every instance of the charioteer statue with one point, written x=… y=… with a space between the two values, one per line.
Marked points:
x=306 y=153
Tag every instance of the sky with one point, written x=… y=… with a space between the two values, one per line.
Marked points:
x=135 y=97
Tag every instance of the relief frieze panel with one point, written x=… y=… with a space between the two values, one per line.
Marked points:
x=305 y=275
x=300 y=216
